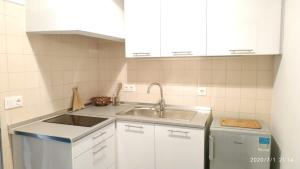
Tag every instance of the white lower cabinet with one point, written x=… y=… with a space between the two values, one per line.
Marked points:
x=84 y=161
x=149 y=146
x=103 y=154
x=135 y=145
x=179 y=147
x=96 y=151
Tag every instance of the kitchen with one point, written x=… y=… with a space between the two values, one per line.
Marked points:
x=236 y=59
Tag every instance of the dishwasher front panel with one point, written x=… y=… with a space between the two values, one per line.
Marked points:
x=238 y=150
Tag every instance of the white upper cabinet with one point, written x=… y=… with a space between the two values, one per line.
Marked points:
x=142 y=26
x=183 y=27
x=96 y=18
x=237 y=27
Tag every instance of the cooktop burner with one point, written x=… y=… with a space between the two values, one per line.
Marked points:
x=75 y=120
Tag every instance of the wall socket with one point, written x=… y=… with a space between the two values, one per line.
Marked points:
x=201 y=91
x=13 y=102
x=129 y=88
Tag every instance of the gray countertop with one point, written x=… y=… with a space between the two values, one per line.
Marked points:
x=69 y=133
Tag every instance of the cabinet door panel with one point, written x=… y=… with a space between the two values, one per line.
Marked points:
x=135 y=145
x=179 y=147
x=142 y=19
x=84 y=161
x=237 y=27
x=183 y=28
x=104 y=154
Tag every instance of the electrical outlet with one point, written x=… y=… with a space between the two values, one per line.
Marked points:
x=201 y=91
x=129 y=88
x=13 y=102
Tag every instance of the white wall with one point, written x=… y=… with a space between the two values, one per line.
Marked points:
x=286 y=101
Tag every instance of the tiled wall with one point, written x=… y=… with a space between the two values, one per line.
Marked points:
x=238 y=87
x=43 y=69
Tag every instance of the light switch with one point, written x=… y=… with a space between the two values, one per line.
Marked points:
x=201 y=91
x=13 y=102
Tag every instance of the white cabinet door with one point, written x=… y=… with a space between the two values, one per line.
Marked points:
x=84 y=161
x=179 y=147
x=243 y=27
x=142 y=20
x=135 y=145
x=96 y=18
x=183 y=28
x=104 y=154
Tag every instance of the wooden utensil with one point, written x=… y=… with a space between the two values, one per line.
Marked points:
x=77 y=103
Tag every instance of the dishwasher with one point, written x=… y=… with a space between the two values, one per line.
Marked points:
x=239 y=148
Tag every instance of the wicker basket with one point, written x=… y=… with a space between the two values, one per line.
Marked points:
x=101 y=101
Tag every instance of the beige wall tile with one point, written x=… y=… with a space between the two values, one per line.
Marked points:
x=219 y=63
x=249 y=63
x=218 y=104
x=15 y=25
x=263 y=106
x=218 y=91
x=233 y=92
x=16 y=63
x=2 y=43
x=204 y=101
x=32 y=80
x=233 y=77
x=3 y=82
x=265 y=62
x=219 y=77
x=3 y=63
x=191 y=76
x=234 y=63
x=192 y=64
x=248 y=106
x=14 y=44
x=247 y=116
x=205 y=77
x=16 y=81
x=265 y=78
x=31 y=63
x=232 y=105
x=249 y=78
x=205 y=63
x=189 y=100
x=2 y=23
x=248 y=92
x=1 y=7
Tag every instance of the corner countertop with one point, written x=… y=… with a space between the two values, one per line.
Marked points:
x=69 y=133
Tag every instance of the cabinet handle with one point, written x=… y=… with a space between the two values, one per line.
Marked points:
x=141 y=54
x=100 y=149
x=185 y=133
x=211 y=148
x=241 y=51
x=132 y=126
x=97 y=136
x=182 y=53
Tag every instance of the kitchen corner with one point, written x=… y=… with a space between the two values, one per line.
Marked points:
x=93 y=145
x=71 y=133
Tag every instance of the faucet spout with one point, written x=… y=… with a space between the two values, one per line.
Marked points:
x=162 y=100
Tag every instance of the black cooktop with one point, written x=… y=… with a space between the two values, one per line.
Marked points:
x=75 y=120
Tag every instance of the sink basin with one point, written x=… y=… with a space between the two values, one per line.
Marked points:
x=169 y=113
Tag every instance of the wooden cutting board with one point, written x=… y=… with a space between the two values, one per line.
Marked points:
x=242 y=123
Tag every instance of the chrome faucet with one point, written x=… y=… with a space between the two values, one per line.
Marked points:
x=161 y=103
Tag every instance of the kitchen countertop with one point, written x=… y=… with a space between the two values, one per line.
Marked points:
x=70 y=133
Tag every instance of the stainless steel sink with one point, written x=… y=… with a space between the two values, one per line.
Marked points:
x=169 y=113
